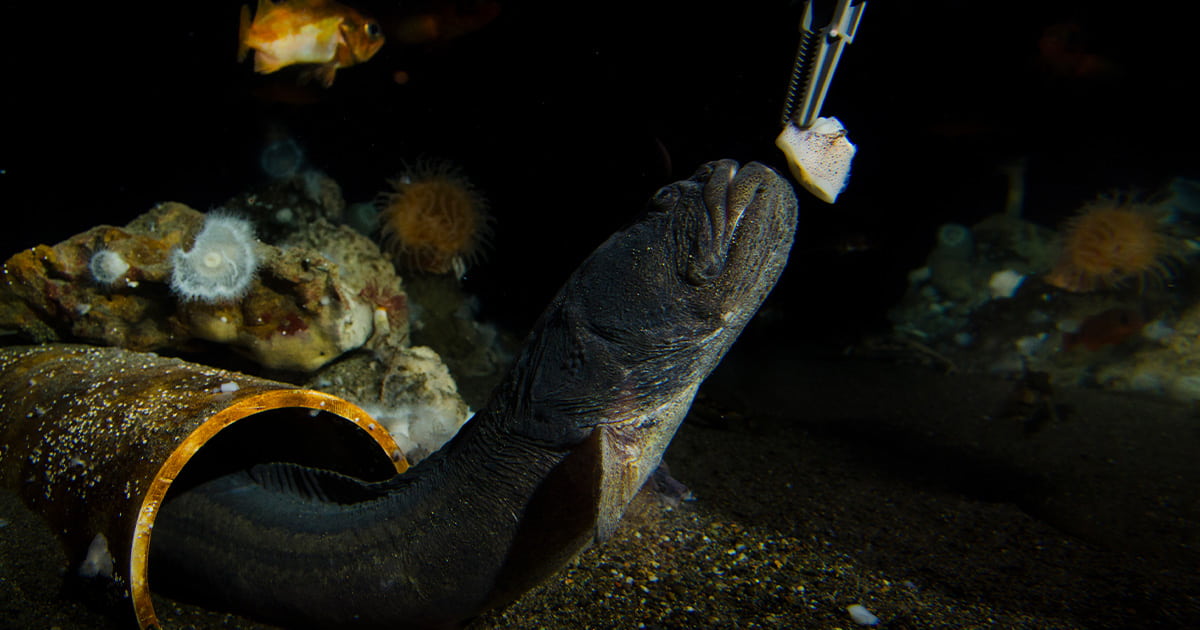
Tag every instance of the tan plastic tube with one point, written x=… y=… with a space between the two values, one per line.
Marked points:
x=93 y=439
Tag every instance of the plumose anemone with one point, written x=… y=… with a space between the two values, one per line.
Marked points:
x=221 y=264
x=107 y=267
x=282 y=159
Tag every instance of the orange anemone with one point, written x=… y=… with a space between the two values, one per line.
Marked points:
x=1109 y=242
x=435 y=221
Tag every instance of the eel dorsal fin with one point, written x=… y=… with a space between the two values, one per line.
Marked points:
x=314 y=484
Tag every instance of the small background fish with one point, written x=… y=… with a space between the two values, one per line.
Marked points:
x=327 y=34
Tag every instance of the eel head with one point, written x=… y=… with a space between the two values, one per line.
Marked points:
x=648 y=316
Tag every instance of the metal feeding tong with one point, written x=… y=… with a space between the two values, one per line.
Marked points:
x=817 y=149
x=817 y=59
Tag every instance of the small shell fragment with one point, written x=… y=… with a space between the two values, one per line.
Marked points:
x=1004 y=284
x=99 y=561
x=861 y=616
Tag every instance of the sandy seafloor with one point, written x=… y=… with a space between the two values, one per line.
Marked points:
x=821 y=484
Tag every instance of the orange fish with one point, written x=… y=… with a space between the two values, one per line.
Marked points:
x=440 y=22
x=1063 y=52
x=1105 y=329
x=320 y=32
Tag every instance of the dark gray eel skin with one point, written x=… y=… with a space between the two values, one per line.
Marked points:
x=583 y=417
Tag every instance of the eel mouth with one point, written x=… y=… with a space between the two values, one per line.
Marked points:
x=743 y=205
x=733 y=209
x=741 y=218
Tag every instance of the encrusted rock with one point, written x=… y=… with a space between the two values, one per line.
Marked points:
x=409 y=391
x=310 y=302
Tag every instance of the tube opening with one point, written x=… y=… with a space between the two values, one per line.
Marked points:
x=295 y=435
x=302 y=427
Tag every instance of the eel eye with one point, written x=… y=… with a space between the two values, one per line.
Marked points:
x=666 y=197
x=373 y=29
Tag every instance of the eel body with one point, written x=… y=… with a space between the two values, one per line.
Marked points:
x=569 y=436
